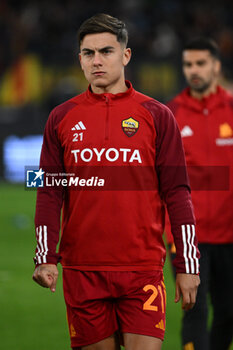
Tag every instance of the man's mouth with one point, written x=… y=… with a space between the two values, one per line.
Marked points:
x=98 y=73
x=195 y=79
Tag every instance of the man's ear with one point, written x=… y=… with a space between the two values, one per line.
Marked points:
x=217 y=67
x=126 y=56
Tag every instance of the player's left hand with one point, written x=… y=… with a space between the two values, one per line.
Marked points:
x=186 y=287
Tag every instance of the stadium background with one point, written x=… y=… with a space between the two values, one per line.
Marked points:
x=38 y=70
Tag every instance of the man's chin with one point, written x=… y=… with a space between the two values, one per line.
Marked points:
x=100 y=85
x=99 y=82
x=199 y=88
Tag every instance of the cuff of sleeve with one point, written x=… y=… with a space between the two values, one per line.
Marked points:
x=184 y=267
x=50 y=259
x=187 y=253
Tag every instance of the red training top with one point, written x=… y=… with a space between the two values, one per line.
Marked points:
x=126 y=153
x=207 y=132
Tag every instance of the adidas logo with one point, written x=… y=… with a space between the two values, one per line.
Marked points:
x=72 y=331
x=160 y=325
x=79 y=126
x=186 y=131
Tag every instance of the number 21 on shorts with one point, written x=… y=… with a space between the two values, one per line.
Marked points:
x=159 y=291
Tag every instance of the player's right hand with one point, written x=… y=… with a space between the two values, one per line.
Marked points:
x=186 y=287
x=46 y=276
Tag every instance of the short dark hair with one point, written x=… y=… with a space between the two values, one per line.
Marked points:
x=101 y=23
x=203 y=43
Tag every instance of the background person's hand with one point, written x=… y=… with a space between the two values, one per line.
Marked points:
x=46 y=276
x=186 y=287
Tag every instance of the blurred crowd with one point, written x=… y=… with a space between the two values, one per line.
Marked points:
x=38 y=46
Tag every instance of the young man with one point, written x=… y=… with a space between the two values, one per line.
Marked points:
x=111 y=246
x=204 y=112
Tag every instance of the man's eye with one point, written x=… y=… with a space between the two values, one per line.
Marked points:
x=107 y=51
x=87 y=53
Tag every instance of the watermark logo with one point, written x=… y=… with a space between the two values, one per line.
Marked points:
x=35 y=178
x=126 y=178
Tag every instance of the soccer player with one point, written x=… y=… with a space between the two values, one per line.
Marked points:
x=204 y=112
x=111 y=245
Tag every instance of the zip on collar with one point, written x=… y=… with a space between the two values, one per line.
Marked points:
x=107 y=118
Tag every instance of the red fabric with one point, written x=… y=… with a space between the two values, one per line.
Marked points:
x=207 y=129
x=98 y=303
x=120 y=227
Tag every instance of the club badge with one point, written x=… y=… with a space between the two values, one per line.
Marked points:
x=130 y=126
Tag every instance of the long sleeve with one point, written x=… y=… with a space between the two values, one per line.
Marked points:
x=49 y=200
x=174 y=187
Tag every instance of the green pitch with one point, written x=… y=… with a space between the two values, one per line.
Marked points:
x=31 y=317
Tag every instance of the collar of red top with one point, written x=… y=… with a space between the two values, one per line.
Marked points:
x=108 y=96
x=210 y=102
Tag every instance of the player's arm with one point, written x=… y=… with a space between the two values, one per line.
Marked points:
x=175 y=191
x=48 y=210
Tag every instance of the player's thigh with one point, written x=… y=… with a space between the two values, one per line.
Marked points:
x=142 y=308
x=139 y=342
x=90 y=311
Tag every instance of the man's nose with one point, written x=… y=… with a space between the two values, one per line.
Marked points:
x=194 y=69
x=97 y=59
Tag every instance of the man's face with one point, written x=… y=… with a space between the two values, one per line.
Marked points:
x=200 y=69
x=103 y=60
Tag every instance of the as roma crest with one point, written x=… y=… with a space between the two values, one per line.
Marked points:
x=130 y=126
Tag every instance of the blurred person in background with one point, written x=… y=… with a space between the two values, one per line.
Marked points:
x=204 y=112
x=111 y=246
